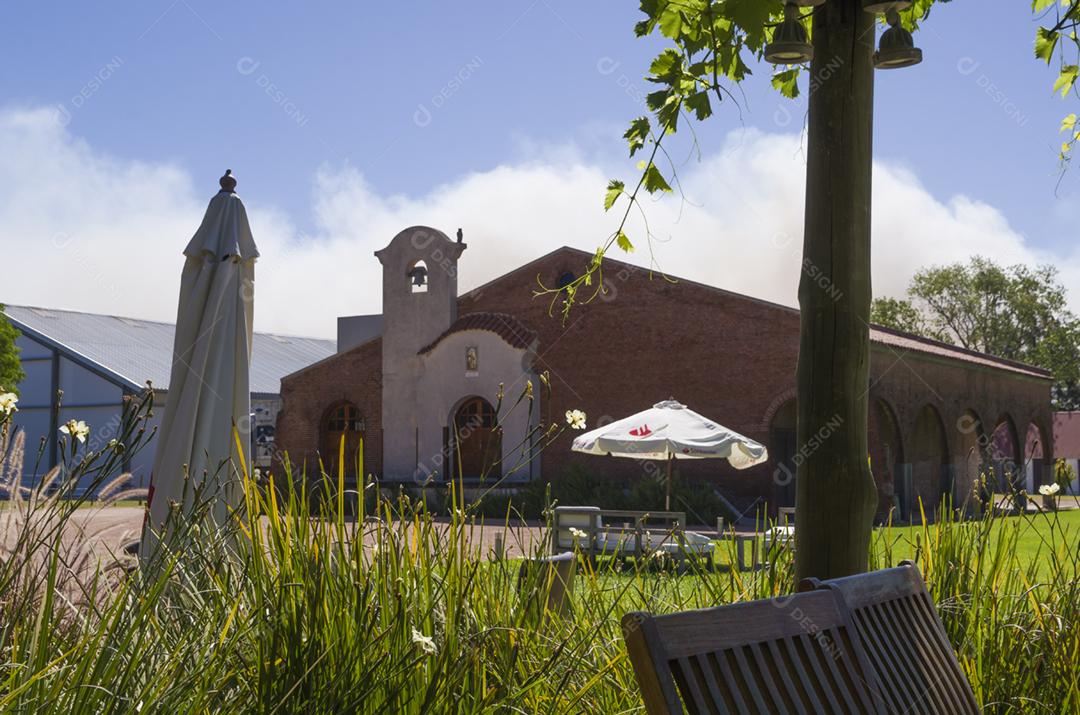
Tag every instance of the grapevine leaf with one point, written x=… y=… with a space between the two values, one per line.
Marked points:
x=615 y=189
x=1066 y=79
x=654 y=180
x=637 y=134
x=1045 y=42
x=787 y=82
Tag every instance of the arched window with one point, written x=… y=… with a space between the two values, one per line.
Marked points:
x=475 y=442
x=342 y=422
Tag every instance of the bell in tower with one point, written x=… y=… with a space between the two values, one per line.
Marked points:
x=418 y=277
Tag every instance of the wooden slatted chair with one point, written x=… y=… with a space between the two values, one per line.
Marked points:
x=902 y=634
x=793 y=655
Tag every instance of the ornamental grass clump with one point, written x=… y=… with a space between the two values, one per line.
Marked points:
x=294 y=606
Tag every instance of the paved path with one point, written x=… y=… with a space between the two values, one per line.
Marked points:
x=103 y=530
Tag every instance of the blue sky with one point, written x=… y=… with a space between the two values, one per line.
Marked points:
x=411 y=98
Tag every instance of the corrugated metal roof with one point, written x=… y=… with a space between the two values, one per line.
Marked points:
x=140 y=350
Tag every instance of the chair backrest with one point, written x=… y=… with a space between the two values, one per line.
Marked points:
x=905 y=641
x=583 y=518
x=792 y=655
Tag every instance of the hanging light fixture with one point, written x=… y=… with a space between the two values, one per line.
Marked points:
x=879 y=7
x=790 y=44
x=896 y=48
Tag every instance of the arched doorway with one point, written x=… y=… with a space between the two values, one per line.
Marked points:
x=973 y=479
x=887 y=456
x=1005 y=456
x=782 y=448
x=341 y=422
x=930 y=473
x=475 y=441
x=1033 y=459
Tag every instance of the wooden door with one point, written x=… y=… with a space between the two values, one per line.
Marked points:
x=477 y=442
x=343 y=421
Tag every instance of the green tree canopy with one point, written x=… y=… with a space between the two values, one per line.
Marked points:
x=11 y=372
x=1014 y=312
x=901 y=314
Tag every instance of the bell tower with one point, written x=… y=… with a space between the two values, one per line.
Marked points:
x=419 y=304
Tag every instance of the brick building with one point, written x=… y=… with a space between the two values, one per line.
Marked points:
x=420 y=382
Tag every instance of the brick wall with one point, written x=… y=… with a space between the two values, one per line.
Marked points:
x=354 y=376
x=724 y=355
x=727 y=356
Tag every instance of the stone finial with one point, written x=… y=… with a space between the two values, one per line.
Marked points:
x=228 y=182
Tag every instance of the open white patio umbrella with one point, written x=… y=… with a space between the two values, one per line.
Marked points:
x=209 y=392
x=670 y=431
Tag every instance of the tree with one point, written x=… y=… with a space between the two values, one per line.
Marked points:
x=11 y=372
x=709 y=45
x=1015 y=312
x=899 y=314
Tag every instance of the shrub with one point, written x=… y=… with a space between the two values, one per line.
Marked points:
x=579 y=487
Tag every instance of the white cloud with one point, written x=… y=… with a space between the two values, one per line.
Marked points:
x=87 y=231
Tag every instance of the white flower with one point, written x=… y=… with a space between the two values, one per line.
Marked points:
x=577 y=533
x=77 y=429
x=576 y=419
x=426 y=644
x=8 y=400
x=1049 y=490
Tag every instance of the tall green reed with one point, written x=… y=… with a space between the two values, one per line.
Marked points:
x=295 y=606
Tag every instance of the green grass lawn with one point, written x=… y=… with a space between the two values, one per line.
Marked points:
x=1035 y=534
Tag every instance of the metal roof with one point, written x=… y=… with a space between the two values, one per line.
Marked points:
x=134 y=351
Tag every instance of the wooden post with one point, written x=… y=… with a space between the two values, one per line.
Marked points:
x=835 y=493
x=667 y=485
x=554 y=581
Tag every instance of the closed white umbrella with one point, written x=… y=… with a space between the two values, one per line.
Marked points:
x=670 y=431
x=209 y=392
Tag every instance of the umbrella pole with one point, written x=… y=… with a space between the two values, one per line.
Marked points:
x=667 y=485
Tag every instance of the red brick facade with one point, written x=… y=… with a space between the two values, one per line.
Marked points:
x=354 y=377
x=727 y=356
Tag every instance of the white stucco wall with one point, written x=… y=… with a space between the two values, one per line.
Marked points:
x=443 y=384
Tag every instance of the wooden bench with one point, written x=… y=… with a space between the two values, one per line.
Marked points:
x=870 y=643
